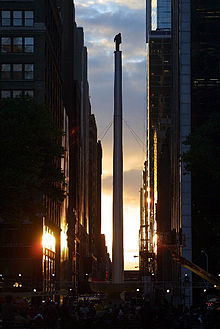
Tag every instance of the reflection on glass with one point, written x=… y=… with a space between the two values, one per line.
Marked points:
x=153 y=14
x=28 y=18
x=29 y=71
x=5 y=71
x=29 y=93
x=17 y=45
x=29 y=45
x=17 y=71
x=17 y=93
x=6 y=45
x=17 y=18
x=160 y=14
x=5 y=93
x=6 y=18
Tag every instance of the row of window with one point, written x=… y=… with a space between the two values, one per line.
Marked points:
x=17 y=18
x=17 y=44
x=16 y=93
x=17 y=71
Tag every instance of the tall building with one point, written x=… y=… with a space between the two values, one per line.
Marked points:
x=158 y=123
x=181 y=127
x=205 y=59
x=31 y=38
x=167 y=187
x=43 y=57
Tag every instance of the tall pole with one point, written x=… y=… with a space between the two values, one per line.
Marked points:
x=117 y=247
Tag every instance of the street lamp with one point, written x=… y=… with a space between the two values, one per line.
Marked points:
x=207 y=259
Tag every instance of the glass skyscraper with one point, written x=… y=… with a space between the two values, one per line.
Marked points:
x=160 y=14
x=167 y=187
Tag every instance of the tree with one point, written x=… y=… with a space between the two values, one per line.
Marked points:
x=31 y=151
x=203 y=156
x=203 y=161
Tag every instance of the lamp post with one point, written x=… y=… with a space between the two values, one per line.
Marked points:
x=207 y=259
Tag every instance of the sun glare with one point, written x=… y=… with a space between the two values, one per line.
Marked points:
x=131 y=230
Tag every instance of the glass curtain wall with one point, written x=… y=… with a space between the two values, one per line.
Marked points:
x=160 y=14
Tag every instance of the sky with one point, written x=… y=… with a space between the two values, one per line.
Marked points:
x=102 y=20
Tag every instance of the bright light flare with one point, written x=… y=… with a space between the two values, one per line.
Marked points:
x=48 y=239
x=155 y=239
x=64 y=245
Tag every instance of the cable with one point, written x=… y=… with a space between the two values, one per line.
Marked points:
x=105 y=131
x=136 y=137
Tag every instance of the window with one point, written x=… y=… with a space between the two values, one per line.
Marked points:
x=28 y=18
x=28 y=45
x=29 y=71
x=6 y=18
x=17 y=18
x=17 y=45
x=6 y=45
x=5 y=71
x=17 y=72
x=5 y=93
x=17 y=93
x=29 y=93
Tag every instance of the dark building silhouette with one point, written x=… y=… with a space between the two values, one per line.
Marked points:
x=183 y=205
x=205 y=81
x=43 y=57
x=31 y=39
x=166 y=192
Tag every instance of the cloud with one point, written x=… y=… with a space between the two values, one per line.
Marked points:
x=103 y=5
x=132 y=184
x=101 y=21
x=101 y=26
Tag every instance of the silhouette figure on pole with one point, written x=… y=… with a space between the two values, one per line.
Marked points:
x=117 y=41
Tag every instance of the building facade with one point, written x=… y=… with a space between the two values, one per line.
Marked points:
x=43 y=57
x=32 y=30
x=167 y=187
x=205 y=58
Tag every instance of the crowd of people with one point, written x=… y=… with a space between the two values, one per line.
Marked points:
x=104 y=314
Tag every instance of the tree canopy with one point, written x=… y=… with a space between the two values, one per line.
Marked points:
x=31 y=151
x=203 y=156
x=203 y=160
